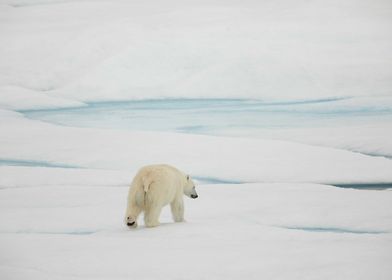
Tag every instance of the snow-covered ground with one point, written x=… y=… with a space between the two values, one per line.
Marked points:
x=107 y=50
x=276 y=231
x=269 y=105
x=272 y=211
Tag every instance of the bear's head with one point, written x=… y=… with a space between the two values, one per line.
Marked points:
x=189 y=188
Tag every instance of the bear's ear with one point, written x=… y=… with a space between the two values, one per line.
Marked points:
x=187 y=177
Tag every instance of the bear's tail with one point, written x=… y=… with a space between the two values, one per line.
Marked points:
x=146 y=184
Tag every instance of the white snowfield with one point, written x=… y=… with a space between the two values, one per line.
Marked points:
x=283 y=231
x=107 y=50
x=67 y=223
x=236 y=159
x=268 y=207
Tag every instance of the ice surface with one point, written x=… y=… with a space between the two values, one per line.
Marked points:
x=65 y=223
x=233 y=49
x=260 y=160
x=13 y=97
x=285 y=103
x=357 y=124
x=316 y=231
x=220 y=116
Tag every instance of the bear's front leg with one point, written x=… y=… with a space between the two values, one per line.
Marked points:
x=177 y=209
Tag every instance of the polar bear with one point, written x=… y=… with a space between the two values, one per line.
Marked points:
x=155 y=186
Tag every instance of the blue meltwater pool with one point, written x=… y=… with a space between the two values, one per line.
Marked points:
x=213 y=116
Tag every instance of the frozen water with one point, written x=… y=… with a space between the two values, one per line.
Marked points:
x=13 y=162
x=356 y=124
x=280 y=110
x=214 y=116
x=336 y=230
x=374 y=186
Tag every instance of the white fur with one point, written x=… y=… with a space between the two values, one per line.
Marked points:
x=155 y=186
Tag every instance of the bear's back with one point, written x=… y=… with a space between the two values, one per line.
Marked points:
x=162 y=173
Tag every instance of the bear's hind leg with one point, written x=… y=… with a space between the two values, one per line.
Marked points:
x=133 y=212
x=177 y=209
x=151 y=216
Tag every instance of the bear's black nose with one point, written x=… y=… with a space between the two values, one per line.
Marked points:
x=130 y=224
x=194 y=196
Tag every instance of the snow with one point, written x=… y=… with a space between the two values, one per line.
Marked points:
x=371 y=139
x=259 y=160
x=66 y=223
x=74 y=232
x=104 y=50
x=16 y=98
x=280 y=111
